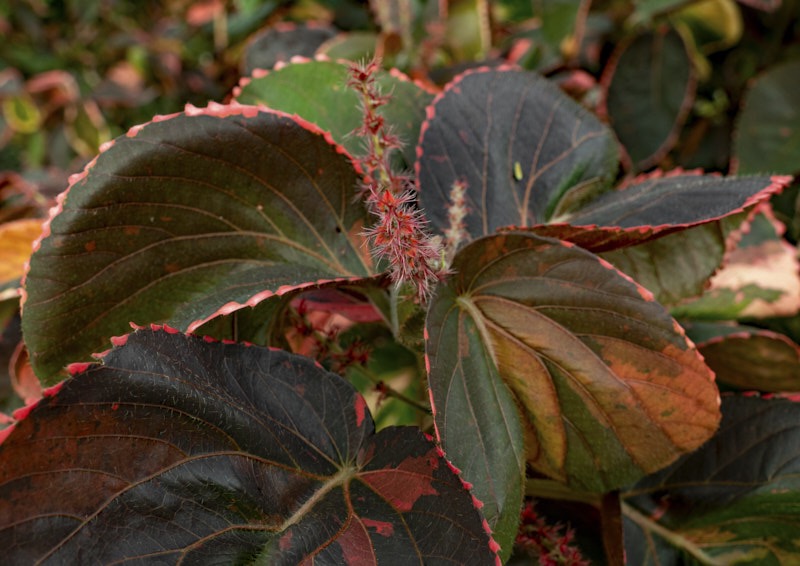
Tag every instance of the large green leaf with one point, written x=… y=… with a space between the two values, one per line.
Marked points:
x=318 y=92
x=518 y=144
x=734 y=501
x=179 y=450
x=649 y=89
x=190 y=216
x=607 y=385
x=767 y=134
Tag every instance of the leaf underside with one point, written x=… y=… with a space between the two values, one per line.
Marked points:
x=184 y=216
x=180 y=449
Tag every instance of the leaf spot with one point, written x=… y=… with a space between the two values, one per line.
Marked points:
x=382 y=527
x=360 y=407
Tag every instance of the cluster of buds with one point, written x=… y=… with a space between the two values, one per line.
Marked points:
x=399 y=235
x=552 y=544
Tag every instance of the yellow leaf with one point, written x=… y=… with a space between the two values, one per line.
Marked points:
x=16 y=241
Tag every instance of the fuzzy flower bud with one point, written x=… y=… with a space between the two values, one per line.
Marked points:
x=399 y=235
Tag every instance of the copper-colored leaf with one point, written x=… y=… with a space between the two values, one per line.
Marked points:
x=607 y=384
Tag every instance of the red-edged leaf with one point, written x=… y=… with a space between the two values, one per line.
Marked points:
x=649 y=88
x=177 y=449
x=520 y=145
x=191 y=216
x=734 y=501
x=280 y=42
x=475 y=414
x=738 y=359
x=659 y=204
x=607 y=384
x=317 y=90
x=760 y=278
x=670 y=232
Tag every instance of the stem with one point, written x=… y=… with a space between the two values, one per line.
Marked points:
x=342 y=476
x=675 y=539
x=611 y=528
x=549 y=489
x=390 y=392
x=394 y=318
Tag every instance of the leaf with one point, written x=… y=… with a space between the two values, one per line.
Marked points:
x=350 y=46
x=317 y=91
x=649 y=87
x=178 y=449
x=765 y=5
x=767 y=136
x=188 y=217
x=475 y=415
x=607 y=385
x=714 y=24
x=281 y=42
x=658 y=204
x=17 y=237
x=468 y=32
x=735 y=500
x=738 y=359
x=562 y=21
x=21 y=113
x=670 y=232
x=679 y=265
x=490 y=125
x=759 y=279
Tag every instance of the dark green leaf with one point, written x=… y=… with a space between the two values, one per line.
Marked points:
x=518 y=144
x=186 y=218
x=767 y=137
x=734 y=501
x=177 y=449
x=649 y=89
x=282 y=42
